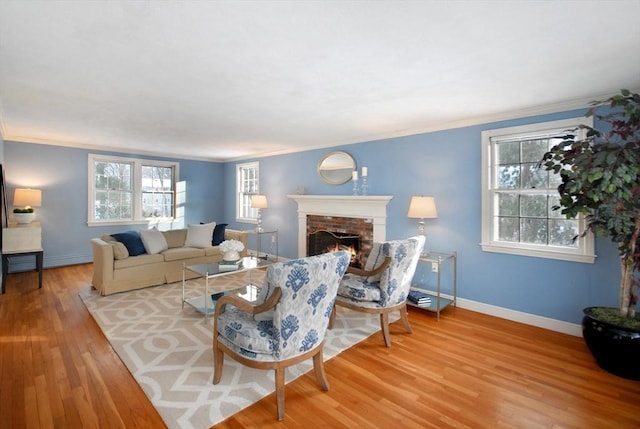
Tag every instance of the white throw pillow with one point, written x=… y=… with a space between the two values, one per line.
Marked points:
x=374 y=260
x=153 y=241
x=200 y=236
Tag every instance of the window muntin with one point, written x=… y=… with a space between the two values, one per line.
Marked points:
x=518 y=197
x=157 y=191
x=126 y=190
x=247 y=178
x=113 y=190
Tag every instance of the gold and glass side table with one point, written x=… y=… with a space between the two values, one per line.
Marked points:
x=435 y=263
x=272 y=236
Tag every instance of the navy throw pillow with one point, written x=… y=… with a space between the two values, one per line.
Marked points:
x=218 y=233
x=132 y=241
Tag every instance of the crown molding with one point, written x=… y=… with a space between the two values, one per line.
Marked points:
x=581 y=103
x=477 y=120
x=36 y=140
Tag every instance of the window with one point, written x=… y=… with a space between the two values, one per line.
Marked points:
x=126 y=190
x=247 y=185
x=517 y=196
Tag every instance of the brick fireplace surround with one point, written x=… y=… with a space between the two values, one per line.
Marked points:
x=365 y=215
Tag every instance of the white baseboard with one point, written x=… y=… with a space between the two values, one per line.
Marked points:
x=518 y=316
x=503 y=313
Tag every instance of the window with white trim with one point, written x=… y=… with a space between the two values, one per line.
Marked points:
x=129 y=190
x=247 y=185
x=518 y=196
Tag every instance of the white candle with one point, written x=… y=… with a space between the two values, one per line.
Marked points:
x=354 y=175
x=365 y=171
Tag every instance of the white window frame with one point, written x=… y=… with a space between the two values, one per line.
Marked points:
x=245 y=188
x=136 y=167
x=583 y=252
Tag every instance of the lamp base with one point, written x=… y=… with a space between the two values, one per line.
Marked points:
x=24 y=218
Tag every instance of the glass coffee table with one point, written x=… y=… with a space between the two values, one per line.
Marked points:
x=240 y=282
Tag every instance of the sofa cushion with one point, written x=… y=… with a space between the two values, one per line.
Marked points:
x=218 y=233
x=175 y=237
x=153 y=241
x=139 y=260
x=132 y=241
x=200 y=236
x=119 y=250
x=213 y=251
x=179 y=253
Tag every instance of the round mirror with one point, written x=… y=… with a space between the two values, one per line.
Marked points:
x=335 y=167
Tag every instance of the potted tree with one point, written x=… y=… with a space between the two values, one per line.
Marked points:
x=600 y=179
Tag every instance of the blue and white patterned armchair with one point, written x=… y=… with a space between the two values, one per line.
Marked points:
x=383 y=286
x=287 y=323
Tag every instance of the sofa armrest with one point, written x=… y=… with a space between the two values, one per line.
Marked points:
x=102 y=263
x=242 y=236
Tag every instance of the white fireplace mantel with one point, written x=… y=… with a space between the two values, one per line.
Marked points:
x=373 y=207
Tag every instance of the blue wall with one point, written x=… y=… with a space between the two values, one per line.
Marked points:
x=61 y=174
x=446 y=165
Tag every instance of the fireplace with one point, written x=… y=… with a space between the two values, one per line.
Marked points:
x=364 y=215
x=323 y=241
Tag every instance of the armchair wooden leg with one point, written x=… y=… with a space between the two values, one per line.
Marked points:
x=318 y=366
x=218 y=360
x=332 y=318
x=405 y=319
x=280 y=392
x=384 y=323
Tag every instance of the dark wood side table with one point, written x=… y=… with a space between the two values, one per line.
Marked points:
x=21 y=240
x=39 y=254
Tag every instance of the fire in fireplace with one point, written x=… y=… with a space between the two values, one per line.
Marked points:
x=323 y=241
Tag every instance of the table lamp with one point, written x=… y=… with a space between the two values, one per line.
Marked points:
x=259 y=202
x=422 y=208
x=27 y=198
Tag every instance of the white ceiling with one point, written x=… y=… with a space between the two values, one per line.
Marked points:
x=226 y=80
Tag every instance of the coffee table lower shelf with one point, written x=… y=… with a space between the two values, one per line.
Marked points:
x=205 y=304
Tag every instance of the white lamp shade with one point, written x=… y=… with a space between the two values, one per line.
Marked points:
x=422 y=208
x=259 y=202
x=27 y=197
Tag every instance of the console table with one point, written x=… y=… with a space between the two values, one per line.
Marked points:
x=21 y=240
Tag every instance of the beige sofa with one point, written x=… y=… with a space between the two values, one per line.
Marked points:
x=115 y=272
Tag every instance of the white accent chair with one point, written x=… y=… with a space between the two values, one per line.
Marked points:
x=287 y=323
x=383 y=286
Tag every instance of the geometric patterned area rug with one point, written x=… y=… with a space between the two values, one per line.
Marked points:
x=168 y=350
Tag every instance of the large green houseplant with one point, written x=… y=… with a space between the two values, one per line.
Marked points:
x=600 y=179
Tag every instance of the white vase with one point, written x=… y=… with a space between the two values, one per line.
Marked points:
x=231 y=255
x=24 y=217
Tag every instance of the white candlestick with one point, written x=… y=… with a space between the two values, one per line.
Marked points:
x=354 y=175
x=365 y=171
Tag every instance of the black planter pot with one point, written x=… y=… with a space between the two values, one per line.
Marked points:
x=616 y=349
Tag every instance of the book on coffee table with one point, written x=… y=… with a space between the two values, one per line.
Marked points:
x=228 y=265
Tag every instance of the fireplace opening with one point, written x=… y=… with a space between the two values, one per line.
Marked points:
x=322 y=241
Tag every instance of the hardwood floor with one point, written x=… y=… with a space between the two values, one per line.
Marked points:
x=467 y=371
